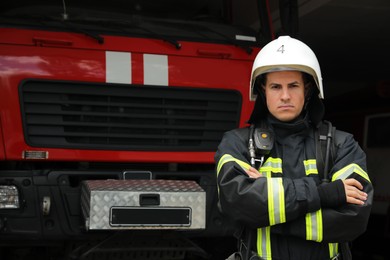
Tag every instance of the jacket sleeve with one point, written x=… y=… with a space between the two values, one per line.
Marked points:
x=263 y=201
x=342 y=223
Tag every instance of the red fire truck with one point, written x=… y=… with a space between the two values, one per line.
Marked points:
x=110 y=114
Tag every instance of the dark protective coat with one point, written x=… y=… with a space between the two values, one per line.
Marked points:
x=285 y=206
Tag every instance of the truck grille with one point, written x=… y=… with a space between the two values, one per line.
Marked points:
x=126 y=117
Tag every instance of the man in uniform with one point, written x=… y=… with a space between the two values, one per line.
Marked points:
x=270 y=178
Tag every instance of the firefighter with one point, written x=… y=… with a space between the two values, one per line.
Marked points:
x=274 y=188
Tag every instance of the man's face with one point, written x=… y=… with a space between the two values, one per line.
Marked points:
x=285 y=94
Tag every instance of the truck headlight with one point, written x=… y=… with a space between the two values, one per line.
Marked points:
x=9 y=197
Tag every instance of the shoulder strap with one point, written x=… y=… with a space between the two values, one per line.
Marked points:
x=326 y=146
x=325 y=149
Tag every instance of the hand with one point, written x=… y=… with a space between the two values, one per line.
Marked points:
x=353 y=192
x=253 y=173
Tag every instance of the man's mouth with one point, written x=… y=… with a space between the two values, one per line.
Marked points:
x=285 y=106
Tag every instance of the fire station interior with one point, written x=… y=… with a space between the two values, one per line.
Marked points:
x=351 y=39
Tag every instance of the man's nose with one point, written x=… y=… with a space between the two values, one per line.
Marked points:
x=285 y=93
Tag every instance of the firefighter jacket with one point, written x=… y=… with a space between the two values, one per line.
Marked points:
x=285 y=207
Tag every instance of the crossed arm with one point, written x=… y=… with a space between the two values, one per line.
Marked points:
x=353 y=188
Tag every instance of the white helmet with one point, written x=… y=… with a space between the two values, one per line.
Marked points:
x=286 y=53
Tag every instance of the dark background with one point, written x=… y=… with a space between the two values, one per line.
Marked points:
x=350 y=37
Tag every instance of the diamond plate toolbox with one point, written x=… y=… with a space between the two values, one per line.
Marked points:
x=143 y=204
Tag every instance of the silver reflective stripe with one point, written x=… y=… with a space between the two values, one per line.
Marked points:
x=276 y=203
x=310 y=166
x=264 y=243
x=333 y=250
x=314 y=226
x=270 y=166
x=348 y=170
x=228 y=158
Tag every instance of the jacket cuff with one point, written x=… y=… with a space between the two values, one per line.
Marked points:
x=332 y=194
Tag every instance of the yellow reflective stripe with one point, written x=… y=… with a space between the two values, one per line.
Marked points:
x=310 y=166
x=348 y=170
x=271 y=165
x=314 y=226
x=228 y=158
x=276 y=203
x=333 y=249
x=264 y=243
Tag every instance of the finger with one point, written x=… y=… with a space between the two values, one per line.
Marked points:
x=355 y=190
x=249 y=173
x=356 y=194
x=355 y=201
x=354 y=182
x=251 y=169
x=253 y=173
